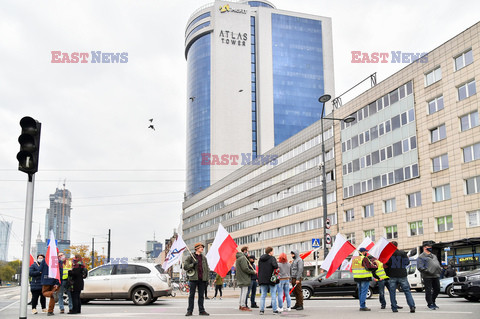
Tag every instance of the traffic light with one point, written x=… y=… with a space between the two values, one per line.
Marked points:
x=315 y=255
x=29 y=145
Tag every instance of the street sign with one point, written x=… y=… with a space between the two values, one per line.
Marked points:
x=315 y=242
x=328 y=239
x=327 y=223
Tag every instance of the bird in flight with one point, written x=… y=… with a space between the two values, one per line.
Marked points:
x=151 y=120
x=192 y=98
x=152 y=127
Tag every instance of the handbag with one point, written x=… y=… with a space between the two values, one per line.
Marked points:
x=275 y=278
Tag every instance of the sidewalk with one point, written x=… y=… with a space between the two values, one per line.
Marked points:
x=226 y=293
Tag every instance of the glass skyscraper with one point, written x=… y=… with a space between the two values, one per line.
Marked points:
x=254 y=75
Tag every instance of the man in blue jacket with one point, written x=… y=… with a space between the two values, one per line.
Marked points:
x=49 y=285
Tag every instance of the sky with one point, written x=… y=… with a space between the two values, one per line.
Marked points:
x=95 y=138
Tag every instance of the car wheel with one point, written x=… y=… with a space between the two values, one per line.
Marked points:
x=450 y=291
x=369 y=293
x=472 y=298
x=307 y=293
x=141 y=296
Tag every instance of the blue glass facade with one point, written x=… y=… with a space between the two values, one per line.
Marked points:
x=298 y=78
x=259 y=4
x=198 y=114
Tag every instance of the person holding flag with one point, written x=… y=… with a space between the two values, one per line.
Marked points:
x=36 y=284
x=197 y=265
x=50 y=269
x=362 y=267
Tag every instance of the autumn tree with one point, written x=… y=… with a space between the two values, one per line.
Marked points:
x=86 y=254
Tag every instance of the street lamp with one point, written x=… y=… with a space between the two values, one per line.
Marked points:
x=324 y=99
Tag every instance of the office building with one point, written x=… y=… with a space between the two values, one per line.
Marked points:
x=406 y=169
x=57 y=218
x=253 y=75
x=5 y=231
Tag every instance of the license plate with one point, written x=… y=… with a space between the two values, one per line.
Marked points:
x=457 y=287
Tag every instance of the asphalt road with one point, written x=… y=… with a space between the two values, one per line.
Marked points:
x=327 y=308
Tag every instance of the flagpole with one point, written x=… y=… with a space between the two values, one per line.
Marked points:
x=27 y=237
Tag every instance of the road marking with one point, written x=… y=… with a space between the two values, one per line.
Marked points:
x=6 y=307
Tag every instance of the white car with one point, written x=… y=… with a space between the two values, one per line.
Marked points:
x=142 y=283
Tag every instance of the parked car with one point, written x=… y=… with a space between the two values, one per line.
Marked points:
x=414 y=276
x=446 y=287
x=340 y=283
x=142 y=283
x=467 y=285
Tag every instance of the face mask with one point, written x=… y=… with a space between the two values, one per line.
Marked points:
x=429 y=249
x=40 y=260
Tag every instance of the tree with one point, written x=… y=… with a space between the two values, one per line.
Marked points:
x=86 y=254
x=6 y=272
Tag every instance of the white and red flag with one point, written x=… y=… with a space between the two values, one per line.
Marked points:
x=341 y=249
x=221 y=255
x=366 y=243
x=383 y=250
x=175 y=253
x=32 y=260
x=52 y=258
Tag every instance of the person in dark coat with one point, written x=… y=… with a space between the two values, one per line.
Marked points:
x=266 y=264
x=36 y=285
x=199 y=264
x=76 y=276
x=49 y=285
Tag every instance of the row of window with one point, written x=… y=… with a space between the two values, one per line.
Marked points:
x=464 y=90
x=383 y=102
x=381 y=155
x=460 y=62
x=314 y=141
x=397 y=176
x=379 y=130
x=470 y=153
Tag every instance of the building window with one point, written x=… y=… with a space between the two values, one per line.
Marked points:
x=469 y=121
x=471 y=153
x=435 y=105
x=473 y=218
x=433 y=76
x=368 y=210
x=438 y=133
x=391 y=232
x=440 y=163
x=472 y=185
x=444 y=223
x=333 y=218
x=389 y=206
x=466 y=90
x=369 y=233
x=463 y=60
x=441 y=193
x=351 y=238
x=414 y=199
x=349 y=215
x=416 y=228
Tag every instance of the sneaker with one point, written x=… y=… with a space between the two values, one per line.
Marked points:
x=44 y=310
x=214 y=298
x=34 y=311
x=432 y=307
x=436 y=307
x=253 y=306
x=188 y=314
x=220 y=298
x=204 y=313
x=280 y=310
x=412 y=309
x=276 y=312
x=262 y=312
x=288 y=309
x=269 y=306
x=365 y=309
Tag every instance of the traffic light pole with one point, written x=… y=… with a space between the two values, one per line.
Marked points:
x=27 y=236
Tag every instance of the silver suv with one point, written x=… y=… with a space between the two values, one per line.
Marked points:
x=142 y=283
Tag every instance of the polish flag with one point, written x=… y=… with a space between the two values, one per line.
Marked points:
x=32 y=260
x=221 y=255
x=366 y=243
x=52 y=258
x=340 y=250
x=383 y=250
x=306 y=254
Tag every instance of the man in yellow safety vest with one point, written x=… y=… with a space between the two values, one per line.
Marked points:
x=362 y=268
x=66 y=264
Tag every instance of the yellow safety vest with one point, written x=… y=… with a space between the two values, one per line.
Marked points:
x=358 y=270
x=380 y=272
x=66 y=267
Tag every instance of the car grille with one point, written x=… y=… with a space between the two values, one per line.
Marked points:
x=460 y=279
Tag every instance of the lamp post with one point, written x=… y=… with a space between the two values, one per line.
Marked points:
x=324 y=99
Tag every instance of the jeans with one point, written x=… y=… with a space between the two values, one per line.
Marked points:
x=284 y=290
x=253 y=290
x=273 y=293
x=381 y=291
x=403 y=281
x=202 y=286
x=64 y=288
x=432 y=288
x=217 y=289
x=243 y=296
x=35 y=295
x=362 y=287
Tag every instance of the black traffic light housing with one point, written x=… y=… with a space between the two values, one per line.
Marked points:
x=29 y=145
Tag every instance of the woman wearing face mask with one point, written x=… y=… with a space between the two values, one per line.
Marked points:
x=36 y=285
x=77 y=274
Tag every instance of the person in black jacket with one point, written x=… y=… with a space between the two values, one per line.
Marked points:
x=36 y=285
x=76 y=276
x=266 y=265
x=395 y=269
